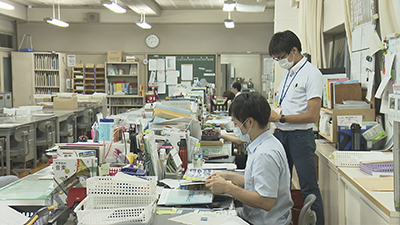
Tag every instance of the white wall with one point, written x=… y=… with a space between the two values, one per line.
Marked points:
x=246 y=66
x=286 y=18
x=333 y=14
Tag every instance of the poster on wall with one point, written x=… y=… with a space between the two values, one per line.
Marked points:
x=71 y=60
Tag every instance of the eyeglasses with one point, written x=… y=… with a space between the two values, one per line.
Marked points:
x=279 y=58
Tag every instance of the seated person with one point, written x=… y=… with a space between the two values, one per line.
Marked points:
x=266 y=194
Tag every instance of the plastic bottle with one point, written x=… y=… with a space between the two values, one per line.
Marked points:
x=218 y=130
x=162 y=155
x=355 y=137
x=183 y=153
x=198 y=157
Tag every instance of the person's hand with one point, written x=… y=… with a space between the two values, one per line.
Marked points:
x=217 y=184
x=275 y=117
x=221 y=174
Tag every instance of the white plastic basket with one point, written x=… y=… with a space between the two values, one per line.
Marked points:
x=121 y=184
x=353 y=158
x=111 y=209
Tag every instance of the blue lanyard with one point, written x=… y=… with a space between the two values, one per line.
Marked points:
x=283 y=95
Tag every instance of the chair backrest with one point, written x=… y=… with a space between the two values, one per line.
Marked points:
x=307 y=216
x=88 y=116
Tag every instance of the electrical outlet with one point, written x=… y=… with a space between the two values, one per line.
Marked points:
x=68 y=83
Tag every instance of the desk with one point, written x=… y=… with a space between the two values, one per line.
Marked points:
x=345 y=200
x=8 y=126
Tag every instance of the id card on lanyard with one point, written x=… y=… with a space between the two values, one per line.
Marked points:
x=284 y=92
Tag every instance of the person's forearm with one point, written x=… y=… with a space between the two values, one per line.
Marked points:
x=235 y=178
x=302 y=118
x=232 y=138
x=250 y=198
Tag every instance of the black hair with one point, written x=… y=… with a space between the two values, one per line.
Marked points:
x=237 y=85
x=284 y=42
x=308 y=56
x=251 y=105
x=229 y=94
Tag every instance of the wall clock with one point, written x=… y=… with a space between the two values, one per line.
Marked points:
x=152 y=41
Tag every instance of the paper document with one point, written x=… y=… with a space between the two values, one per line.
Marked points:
x=161 y=88
x=172 y=77
x=187 y=72
x=171 y=197
x=152 y=64
x=10 y=216
x=374 y=43
x=161 y=76
x=170 y=62
x=161 y=64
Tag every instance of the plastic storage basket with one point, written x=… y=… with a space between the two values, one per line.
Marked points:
x=376 y=167
x=111 y=209
x=120 y=184
x=121 y=199
x=353 y=158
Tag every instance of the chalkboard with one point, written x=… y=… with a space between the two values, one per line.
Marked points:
x=203 y=66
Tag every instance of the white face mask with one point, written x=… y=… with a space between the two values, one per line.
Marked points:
x=238 y=133
x=285 y=64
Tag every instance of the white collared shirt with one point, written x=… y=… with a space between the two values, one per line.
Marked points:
x=307 y=84
x=237 y=94
x=267 y=173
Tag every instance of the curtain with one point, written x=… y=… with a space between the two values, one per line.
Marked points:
x=347 y=23
x=311 y=30
x=389 y=22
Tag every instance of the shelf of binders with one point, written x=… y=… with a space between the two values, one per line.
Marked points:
x=122 y=69
x=47 y=73
x=122 y=103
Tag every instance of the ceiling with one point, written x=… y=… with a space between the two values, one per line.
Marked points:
x=151 y=6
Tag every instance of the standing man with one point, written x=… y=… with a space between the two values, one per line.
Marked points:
x=299 y=103
x=236 y=88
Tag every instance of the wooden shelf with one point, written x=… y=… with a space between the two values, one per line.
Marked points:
x=126 y=105
x=329 y=138
x=47 y=86
x=124 y=75
x=124 y=96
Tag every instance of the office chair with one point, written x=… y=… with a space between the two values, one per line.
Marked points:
x=2 y=144
x=21 y=149
x=66 y=131
x=308 y=216
x=45 y=137
x=84 y=124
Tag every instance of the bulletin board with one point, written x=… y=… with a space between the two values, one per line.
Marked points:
x=186 y=68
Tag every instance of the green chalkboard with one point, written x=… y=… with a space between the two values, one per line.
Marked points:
x=203 y=67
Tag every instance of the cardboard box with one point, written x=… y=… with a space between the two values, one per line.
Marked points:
x=131 y=59
x=65 y=103
x=114 y=56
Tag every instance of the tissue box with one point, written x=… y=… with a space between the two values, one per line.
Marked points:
x=65 y=103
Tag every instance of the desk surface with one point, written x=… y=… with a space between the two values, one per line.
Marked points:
x=383 y=200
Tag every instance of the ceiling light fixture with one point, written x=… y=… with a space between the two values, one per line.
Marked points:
x=113 y=6
x=6 y=6
x=228 y=22
x=53 y=20
x=142 y=22
x=229 y=5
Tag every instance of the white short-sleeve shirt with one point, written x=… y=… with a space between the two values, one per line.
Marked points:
x=301 y=83
x=267 y=173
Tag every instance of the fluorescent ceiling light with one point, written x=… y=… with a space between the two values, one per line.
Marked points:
x=57 y=22
x=6 y=6
x=113 y=6
x=54 y=21
x=229 y=6
x=250 y=8
x=143 y=25
x=142 y=22
x=229 y=24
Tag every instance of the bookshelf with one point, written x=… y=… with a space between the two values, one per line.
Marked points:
x=37 y=73
x=100 y=78
x=122 y=86
x=367 y=115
